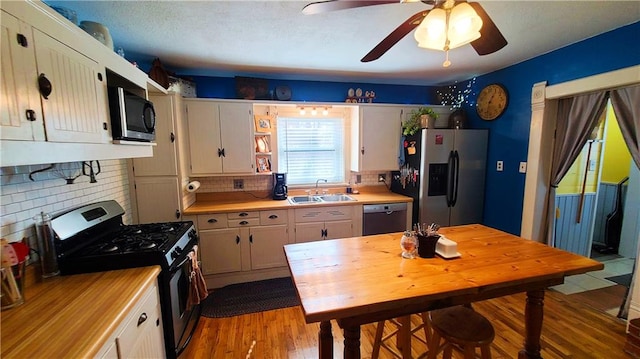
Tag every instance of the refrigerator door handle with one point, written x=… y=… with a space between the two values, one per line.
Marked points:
x=450 y=178
x=456 y=171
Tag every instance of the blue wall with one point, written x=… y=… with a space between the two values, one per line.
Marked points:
x=321 y=91
x=509 y=134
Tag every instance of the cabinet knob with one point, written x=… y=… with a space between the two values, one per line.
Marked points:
x=177 y=214
x=212 y=220
x=142 y=318
x=31 y=115
x=45 y=86
x=273 y=216
x=173 y=137
x=251 y=238
x=362 y=150
x=243 y=214
x=244 y=223
x=237 y=239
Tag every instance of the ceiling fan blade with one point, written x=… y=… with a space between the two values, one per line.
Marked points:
x=491 y=39
x=395 y=36
x=334 y=5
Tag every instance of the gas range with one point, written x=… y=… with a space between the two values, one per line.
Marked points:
x=93 y=238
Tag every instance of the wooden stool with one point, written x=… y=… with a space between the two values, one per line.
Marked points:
x=462 y=327
x=403 y=333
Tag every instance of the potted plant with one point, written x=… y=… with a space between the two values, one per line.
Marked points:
x=419 y=118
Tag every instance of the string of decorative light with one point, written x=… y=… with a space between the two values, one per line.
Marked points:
x=456 y=95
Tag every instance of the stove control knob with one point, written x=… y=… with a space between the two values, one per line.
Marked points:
x=193 y=234
x=176 y=252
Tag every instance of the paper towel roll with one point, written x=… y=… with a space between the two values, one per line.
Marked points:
x=193 y=186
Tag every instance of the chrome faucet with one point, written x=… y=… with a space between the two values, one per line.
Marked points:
x=319 y=179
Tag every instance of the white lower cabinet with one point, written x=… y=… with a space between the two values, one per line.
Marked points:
x=140 y=334
x=319 y=223
x=242 y=241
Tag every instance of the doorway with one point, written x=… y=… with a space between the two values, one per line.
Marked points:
x=589 y=216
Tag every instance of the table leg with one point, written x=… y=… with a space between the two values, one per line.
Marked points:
x=403 y=339
x=533 y=314
x=352 y=342
x=325 y=341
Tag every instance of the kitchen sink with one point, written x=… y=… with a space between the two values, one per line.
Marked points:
x=336 y=198
x=320 y=198
x=304 y=199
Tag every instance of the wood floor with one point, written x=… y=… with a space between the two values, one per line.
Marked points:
x=572 y=329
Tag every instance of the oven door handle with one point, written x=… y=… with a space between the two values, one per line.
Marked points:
x=176 y=268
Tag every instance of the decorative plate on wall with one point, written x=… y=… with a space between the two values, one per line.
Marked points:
x=283 y=93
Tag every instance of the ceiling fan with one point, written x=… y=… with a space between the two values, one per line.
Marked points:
x=487 y=39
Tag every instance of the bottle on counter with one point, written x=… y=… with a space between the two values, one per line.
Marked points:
x=46 y=247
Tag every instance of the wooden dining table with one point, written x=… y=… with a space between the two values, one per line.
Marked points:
x=362 y=280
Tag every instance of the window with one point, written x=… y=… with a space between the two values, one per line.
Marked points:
x=311 y=148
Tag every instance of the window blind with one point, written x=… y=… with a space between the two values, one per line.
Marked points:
x=311 y=148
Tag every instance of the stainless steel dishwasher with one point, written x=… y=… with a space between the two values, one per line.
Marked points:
x=384 y=218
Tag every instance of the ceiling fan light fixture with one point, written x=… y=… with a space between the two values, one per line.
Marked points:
x=432 y=31
x=445 y=29
x=464 y=25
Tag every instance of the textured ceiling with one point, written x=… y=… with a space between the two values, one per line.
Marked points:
x=273 y=38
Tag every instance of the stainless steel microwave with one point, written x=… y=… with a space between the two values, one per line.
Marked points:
x=133 y=118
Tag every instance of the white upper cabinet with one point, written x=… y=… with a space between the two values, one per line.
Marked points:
x=220 y=137
x=376 y=138
x=75 y=110
x=165 y=154
x=21 y=115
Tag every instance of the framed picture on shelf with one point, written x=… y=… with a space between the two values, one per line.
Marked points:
x=262 y=164
x=263 y=123
x=262 y=144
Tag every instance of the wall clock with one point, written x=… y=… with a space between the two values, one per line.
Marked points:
x=492 y=101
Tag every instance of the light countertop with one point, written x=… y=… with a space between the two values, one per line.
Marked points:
x=248 y=201
x=72 y=316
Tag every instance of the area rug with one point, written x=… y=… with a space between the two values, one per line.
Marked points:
x=252 y=297
x=624 y=279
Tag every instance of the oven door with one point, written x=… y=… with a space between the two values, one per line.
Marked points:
x=184 y=318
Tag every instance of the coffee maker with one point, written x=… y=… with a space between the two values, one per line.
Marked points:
x=279 y=186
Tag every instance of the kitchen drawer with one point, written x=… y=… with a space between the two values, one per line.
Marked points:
x=273 y=217
x=243 y=215
x=212 y=221
x=321 y=214
x=244 y=222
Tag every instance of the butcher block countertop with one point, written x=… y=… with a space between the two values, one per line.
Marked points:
x=72 y=316
x=255 y=201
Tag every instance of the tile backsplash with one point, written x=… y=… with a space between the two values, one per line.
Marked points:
x=265 y=183
x=21 y=199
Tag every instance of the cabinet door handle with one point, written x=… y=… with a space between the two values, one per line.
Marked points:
x=31 y=115
x=223 y=152
x=212 y=220
x=237 y=239
x=173 y=137
x=244 y=223
x=45 y=86
x=177 y=214
x=362 y=150
x=219 y=152
x=273 y=216
x=142 y=318
x=243 y=214
x=251 y=238
x=22 y=40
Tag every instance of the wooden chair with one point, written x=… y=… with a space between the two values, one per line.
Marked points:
x=462 y=327
x=403 y=334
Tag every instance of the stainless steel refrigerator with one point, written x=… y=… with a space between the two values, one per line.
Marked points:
x=444 y=171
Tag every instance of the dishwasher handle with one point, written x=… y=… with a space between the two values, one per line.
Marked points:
x=384 y=208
